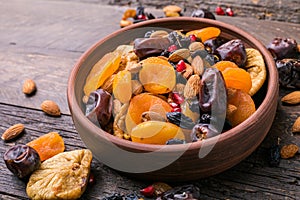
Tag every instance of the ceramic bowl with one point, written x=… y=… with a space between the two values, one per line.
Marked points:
x=181 y=162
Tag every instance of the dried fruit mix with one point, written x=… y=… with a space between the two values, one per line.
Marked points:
x=174 y=86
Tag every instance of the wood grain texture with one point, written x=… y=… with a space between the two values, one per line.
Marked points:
x=43 y=39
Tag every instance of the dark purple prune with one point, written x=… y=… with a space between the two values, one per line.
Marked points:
x=99 y=107
x=22 y=160
x=281 y=48
x=203 y=131
x=289 y=72
x=212 y=44
x=203 y=13
x=145 y=47
x=180 y=120
x=187 y=192
x=234 y=51
x=175 y=141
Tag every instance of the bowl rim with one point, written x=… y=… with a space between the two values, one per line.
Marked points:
x=272 y=78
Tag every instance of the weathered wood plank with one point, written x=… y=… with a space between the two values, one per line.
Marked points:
x=250 y=179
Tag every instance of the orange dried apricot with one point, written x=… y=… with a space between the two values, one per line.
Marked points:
x=48 y=145
x=237 y=78
x=142 y=103
x=224 y=64
x=205 y=33
x=244 y=104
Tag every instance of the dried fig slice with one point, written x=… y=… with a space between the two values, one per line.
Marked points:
x=64 y=176
x=255 y=66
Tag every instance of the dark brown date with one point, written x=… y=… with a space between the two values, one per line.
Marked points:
x=281 y=48
x=289 y=73
x=233 y=51
x=22 y=160
x=99 y=107
x=145 y=47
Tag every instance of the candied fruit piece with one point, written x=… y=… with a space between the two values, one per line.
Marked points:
x=48 y=145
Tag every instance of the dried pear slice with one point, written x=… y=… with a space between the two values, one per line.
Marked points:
x=64 y=176
x=255 y=66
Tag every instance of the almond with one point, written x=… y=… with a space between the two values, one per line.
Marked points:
x=192 y=87
x=29 y=87
x=188 y=71
x=296 y=126
x=12 y=132
x=292 y=98
x=179 y=54
x=50 y=108
x=198 y=65
x=289 y=151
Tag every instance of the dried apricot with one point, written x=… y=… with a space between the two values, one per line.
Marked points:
x=205 y=33
x=244 y=104
x=48 y=145
x=237 y=78
x=157 y=75
x=102 y=70
x=122 y=86
x=224 y=64
x=155 y=132
x=142 y=103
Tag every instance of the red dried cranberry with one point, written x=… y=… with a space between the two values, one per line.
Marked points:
x=148 y=191
x=193 y=38
x=219 y=11
x=172 y=48
x=180 y=67
x=177 y=98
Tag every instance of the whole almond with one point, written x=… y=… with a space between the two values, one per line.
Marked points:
x=29 y=87
x=289 y=151
x=12 y=132
x=296 y=126
x=50 y=108
x=179 y=54
x=198 y=65
x=292 y=98
x=192 y=87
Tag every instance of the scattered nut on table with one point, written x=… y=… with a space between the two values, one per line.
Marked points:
x=289 y=151
x=29 y=87
x=13 y=132
x=50 y=108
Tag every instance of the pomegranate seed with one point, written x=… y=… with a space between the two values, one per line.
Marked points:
x=180 y=66
x=219 y=11
x=176 y=109
x=174 y=105
x=193 y=38
x=177 y=98
x=229 y=12
x=148 y=191
x=172 y=48
x=142 y=17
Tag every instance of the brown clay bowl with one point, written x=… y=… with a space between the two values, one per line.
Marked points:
x=173 y=162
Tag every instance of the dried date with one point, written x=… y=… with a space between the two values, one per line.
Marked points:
x=289 y=72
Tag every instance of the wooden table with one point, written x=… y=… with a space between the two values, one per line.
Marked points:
x=42 y=40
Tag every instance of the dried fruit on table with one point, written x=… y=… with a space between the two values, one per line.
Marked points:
x=50 y=108
x=102 y=70
x=289 y=151
x=255 y=66
x=244 y=103
x=281 y=48
x=142 y=103
x=64 y=176
x=237 y=78
x=12 y=132
x=29 y=87
x=289 y=72
x=291 y=98
x=296 y=126
x=155 y=132
x=122 y=89
x=21 y=160
x=48 y=145
x=205 y=33
x=157 y=75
